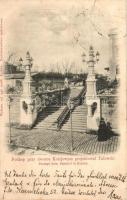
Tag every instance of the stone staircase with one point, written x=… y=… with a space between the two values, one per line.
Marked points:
x=47 y=117
x=79 y=120
x=75 y=91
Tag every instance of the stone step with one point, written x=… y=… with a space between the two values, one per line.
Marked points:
x=54 y=117
x=82 y=112
x=48 y=114
x=76 y=130
x=79 y=115
x=79 y=120
x=77 y=126
x=51 y=117
x=74 y=122
x=81 y=109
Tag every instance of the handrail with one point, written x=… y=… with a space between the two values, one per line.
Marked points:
x=62 y=117
x=66 y=110
x=78 y=98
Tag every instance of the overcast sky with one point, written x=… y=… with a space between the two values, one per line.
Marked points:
x=56 y=33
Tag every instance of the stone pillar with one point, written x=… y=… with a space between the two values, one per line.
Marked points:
x=89 y=111
x=91 y=94
x=28 y=112
x=91 y=81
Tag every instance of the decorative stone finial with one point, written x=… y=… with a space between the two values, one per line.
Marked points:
x=27 y=55
x=20 y=59
x=28 y=59
x=91 y=47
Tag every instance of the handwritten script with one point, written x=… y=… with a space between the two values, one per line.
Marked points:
x=90 y=185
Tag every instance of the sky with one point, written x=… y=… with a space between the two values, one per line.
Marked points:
x=58 y=33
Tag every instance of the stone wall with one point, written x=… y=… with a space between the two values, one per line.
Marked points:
x=109 y=110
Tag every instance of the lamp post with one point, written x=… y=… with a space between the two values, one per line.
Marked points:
x=29 y=61
x=92 y=56
x=27 y=65
x=9 y=100
x=70 y=105
x=91 y=80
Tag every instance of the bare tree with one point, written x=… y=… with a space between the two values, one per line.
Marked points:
x=58 y=68
x=51 y=68
x=11 y=58
x=66 y=66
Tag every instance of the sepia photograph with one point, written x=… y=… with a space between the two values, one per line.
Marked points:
x=62 y=81
x=63 y=105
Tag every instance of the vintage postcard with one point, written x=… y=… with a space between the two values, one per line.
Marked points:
x=63 y=99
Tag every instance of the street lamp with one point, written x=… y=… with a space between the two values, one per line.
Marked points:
x=29 y=60
x=92 y=56
x=71 y=106
x=9 y=100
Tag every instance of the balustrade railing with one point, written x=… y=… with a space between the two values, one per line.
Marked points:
x=75 y=101
x=62 y=117
x=54 y=98
x=80 y=98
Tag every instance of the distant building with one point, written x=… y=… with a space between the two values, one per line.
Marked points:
x=13 y=76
